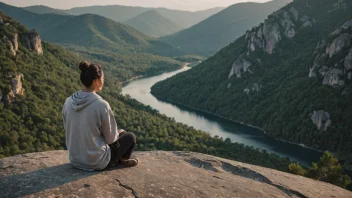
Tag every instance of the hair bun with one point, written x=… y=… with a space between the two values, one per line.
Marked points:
x=83 y=66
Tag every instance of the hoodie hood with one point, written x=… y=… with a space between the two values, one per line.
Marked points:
x=80 y=99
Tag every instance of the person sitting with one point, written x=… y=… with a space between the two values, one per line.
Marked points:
x=92 y=138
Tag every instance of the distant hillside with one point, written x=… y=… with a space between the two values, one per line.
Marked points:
x=219 y=30
x=91 y=31
x=153 y=24
x=291 y=76
x=40 y=9
x=120 y=13
x=162 y=23
x=35 y=79
x=187 y=19
x=102 y=40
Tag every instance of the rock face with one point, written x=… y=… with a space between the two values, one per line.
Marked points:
x=16 y=87
x=159 y=174
x=32 y=41
x=239 y=66
x=272 y=35
x=327 y=63
x=321 y=119
x=12 y=43
x=338 y=44
x=284 y=23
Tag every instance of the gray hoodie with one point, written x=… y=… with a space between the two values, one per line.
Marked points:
x=90 y=126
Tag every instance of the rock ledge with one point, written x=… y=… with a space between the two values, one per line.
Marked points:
x=159 y=174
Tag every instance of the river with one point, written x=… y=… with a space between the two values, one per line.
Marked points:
x=140 y=90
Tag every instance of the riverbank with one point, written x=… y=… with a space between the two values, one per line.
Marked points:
x=237 y=122
x=151 y=75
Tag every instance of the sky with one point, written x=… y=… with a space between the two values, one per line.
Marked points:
x=191 y=5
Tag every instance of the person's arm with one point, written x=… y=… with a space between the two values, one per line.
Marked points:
x=109 y=126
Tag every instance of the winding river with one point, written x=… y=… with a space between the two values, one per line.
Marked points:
x=140 y=90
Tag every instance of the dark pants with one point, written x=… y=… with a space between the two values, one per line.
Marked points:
x=122 y=148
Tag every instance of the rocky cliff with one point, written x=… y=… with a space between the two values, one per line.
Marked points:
x=159 y=174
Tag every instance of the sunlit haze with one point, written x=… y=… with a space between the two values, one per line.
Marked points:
x=171 y=4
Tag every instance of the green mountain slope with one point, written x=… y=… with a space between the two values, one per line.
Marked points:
x=40 y=9
x=36 y=79
x=291 y=76
x=115 y=12
x=217 y=31
x=153 y=24
x=102 y=40
x=120 y=13
x=187 y=19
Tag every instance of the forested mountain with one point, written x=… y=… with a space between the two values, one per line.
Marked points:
x=102 y=40
x=183 y=19
x=291 y=75
x=217 y=31
x=35 y=79
x=153 y=24
x=40 y=9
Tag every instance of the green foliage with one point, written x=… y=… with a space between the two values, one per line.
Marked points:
x=33 y=122
x=287 y=97
x=217 y=31
x=328 y=169
x=296 y=169
x=124 y=52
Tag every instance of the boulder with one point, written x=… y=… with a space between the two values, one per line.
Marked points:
x=158 y=174
x=321 y=119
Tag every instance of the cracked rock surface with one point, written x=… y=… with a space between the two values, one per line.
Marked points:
x=158 y=174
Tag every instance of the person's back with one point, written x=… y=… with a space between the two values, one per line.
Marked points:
x=83 y=115
x=92 y=137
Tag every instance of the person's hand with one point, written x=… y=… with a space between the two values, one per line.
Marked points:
x=121 y=132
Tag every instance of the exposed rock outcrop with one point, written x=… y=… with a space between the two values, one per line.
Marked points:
x=338 y=44
x=271 y=32
x=345 y=26
x=10 y=45
x=159 y=174
x=327 y=62
x=255 y=87
x=16 y=87
x=321 y=119
x=281 y=24
x=239 y=66
x=32 y=41
x=332 y=77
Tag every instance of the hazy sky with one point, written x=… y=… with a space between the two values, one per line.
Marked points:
x=172 y=4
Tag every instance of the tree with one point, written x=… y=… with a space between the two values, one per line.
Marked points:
x=329 y=170
x=296 y=169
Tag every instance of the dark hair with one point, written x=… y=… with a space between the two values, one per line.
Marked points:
x=89 y=73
